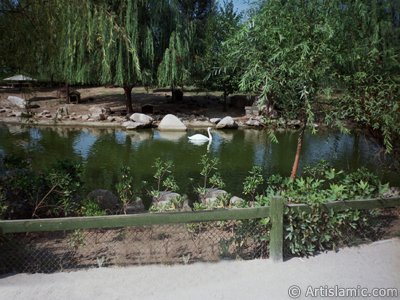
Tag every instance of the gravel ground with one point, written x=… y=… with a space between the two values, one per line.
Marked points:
x=376 y=265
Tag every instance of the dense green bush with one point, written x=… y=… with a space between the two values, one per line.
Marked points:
x=318 y=229
x=32 y=194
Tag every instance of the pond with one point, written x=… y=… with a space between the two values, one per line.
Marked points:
x=105 y=151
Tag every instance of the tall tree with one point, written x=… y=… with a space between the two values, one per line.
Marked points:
x=180 y=63
x=223 y=72
x=297 y=54
x=109 y=42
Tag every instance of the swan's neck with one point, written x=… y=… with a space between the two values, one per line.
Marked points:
x=209 y=134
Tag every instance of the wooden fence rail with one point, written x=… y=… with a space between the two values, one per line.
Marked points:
x=275 y=212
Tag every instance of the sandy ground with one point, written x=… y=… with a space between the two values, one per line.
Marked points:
x=195 y=105
x=375 y=265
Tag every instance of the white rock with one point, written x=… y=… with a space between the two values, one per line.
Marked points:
x=212 y=195
x=166 y=197
x=215 y=120
x=119 y=119
x=130 y=125
x=227 y=122
x=141 y=118
x=171 y=122
x=17 y=101
x=236 y=201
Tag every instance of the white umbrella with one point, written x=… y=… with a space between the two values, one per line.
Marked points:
x=19 y=78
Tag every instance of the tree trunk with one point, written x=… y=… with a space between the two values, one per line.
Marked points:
x=298 y=152
x=128 y=95
x=225 y=99
x=177 y=95
x=67 y=100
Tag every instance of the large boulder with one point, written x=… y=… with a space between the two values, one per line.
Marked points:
x=166 y=201
x=105 y=199
x=165 y=197
x=130 y=125
x=17 y=101
x=171 y=122
x=135 y=207
x=141 y=118
x=185 y=206
x=227 y=123
x=215 y=120
x=212 y=196
x=236 y=202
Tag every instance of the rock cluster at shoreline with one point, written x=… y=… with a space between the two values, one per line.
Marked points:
x=98 y=116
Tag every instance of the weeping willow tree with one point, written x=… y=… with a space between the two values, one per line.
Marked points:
x=174 y=70
x=28 y=31
x=330 y=61
x=109 y=42
x=180 y=64
x=119 y=42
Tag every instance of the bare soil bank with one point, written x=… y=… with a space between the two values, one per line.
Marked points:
x=195 y=110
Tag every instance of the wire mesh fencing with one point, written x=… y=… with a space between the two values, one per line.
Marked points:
x=166 y=244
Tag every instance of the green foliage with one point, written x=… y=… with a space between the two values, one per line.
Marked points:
x=172 y=205
x=174 y=71
x=319 y=230
x=324 y=60
x=222 y=201
x=165 y=181
x=253 y=182
x=77 y=240
x=125 y=188
x=91 y=208
x=210 y=174
x=222 y=72
x=53 y=193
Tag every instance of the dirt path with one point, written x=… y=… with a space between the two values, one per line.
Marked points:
x=371 y=266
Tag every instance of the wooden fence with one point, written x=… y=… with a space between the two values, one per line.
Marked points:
x=275 y=211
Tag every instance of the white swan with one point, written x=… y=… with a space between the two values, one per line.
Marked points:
x=200 y=137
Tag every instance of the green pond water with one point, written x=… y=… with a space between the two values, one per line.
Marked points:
x=105 y=151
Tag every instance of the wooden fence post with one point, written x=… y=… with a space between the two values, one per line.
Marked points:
x=276 y=241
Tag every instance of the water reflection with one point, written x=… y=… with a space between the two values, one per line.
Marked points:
x=106 y=151
x=136 y=138
x=84 y=143
x=173 y=136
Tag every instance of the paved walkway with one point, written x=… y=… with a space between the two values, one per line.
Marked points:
x=372 y=266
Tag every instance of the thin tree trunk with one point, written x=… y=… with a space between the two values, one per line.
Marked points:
x=67 y=93
x=128 y=95
x=177 y=95
x=225 y=98
x=300 y=140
